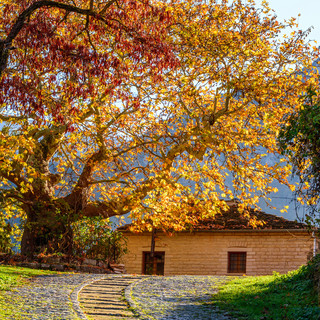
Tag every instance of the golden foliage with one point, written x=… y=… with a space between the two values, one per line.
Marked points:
x=161 y=138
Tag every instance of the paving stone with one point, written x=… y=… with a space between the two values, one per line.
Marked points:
x=45 y=266
x=90 y=262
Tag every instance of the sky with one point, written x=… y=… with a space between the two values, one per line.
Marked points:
x=309 y=10
x=310 y=16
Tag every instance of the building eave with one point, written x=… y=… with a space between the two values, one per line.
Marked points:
x=226 y=231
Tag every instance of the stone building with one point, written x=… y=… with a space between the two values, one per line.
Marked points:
x=226 y=245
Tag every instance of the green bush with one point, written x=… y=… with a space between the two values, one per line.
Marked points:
x=95 y=239
x=5 y=237
x=313 y=269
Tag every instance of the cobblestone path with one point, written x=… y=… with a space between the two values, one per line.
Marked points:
x=152 y=298
x=176 y=298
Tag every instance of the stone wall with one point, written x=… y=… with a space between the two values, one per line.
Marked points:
x=206 y=253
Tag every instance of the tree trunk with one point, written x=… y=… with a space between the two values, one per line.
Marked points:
x=153 y=242
x=47 y=230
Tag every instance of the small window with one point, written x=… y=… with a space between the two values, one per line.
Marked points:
x=153 y=265
x=237 y=262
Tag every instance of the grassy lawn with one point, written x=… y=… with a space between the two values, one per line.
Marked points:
x=10 y=278
x=290 y=296
x=16 y=276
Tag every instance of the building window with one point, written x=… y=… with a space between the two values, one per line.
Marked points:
x=237 y=262
x=153 y=265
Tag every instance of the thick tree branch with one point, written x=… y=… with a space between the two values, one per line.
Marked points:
x=79 y=196
x=47 y=3
x=13 y=194
x=12 y=118
x=109 y=181
x=14 y=176
x=119 y=207
x=6 y=44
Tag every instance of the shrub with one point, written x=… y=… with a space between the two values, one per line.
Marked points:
x=95 y=239
x=6 y=231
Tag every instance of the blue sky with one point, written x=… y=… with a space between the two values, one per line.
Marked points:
x=310 y=16
x=309 y=10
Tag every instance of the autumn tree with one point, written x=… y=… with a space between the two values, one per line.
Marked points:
x=67 y=92
x=141 y=108
x=299 y=139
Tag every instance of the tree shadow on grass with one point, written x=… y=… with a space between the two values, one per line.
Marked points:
x=277 y=297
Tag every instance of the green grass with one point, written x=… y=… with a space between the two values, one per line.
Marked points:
x=14 y=276
x=11 y=278
x=277 y=297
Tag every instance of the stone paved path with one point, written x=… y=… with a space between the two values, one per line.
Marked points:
x=153 y=298
x=176 y=298
x=53 y=297
x=104 y=299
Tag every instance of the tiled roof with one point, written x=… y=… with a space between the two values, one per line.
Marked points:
x=233 y=220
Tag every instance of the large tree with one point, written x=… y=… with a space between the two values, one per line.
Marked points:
x=299 y=139
x=67 y=90
x=110 y=108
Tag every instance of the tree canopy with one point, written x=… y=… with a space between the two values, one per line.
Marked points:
x=117 y=107
x=299 y=139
